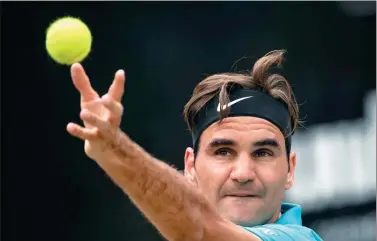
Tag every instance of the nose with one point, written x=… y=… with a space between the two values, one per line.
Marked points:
x=243 y=170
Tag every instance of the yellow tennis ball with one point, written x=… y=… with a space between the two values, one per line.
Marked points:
x=68 y=40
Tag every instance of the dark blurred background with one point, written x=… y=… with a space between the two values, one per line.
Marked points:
x=52 y=191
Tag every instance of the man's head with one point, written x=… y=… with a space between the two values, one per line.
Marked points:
x=241 y=159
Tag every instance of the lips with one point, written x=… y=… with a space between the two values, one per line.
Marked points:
x=241 y=195
x=247 y=192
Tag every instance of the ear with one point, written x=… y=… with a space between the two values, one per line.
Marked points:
x=291 y=173
x=190 y=172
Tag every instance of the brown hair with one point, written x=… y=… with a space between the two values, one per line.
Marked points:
x=273 y=84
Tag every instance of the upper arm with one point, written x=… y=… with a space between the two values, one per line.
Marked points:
x=277 y=232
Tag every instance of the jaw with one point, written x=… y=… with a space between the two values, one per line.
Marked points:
x=240 y=210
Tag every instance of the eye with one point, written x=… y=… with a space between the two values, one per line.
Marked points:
x=223 y=152
x=263 y=153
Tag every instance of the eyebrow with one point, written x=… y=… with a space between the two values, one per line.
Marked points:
x=267 y=142
x=228 y=142
x=221 y=142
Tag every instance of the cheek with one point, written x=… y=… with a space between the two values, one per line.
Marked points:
x=211 y=176
x=273 y=176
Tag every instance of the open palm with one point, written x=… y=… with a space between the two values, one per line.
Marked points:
x=107 y=108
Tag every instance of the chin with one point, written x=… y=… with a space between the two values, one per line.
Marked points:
x=243 y=221
x=242 y=206
x=244 y=214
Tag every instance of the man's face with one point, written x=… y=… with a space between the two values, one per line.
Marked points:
x=242 y=169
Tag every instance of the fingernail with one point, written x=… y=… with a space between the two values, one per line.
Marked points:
x=121 y=72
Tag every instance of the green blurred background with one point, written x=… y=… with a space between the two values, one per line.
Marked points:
x=52 y=191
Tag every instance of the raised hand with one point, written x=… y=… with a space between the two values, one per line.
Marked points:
x=95 y=109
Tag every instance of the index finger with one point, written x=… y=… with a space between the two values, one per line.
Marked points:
x=82 y=83
x=116 y=89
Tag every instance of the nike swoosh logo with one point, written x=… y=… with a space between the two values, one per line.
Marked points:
x=232 y=103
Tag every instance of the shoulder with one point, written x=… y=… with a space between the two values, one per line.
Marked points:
x=280 y=232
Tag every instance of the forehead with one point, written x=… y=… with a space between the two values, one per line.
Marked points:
x=252 y=128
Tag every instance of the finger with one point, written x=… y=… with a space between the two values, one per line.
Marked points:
x=81 y=132
x=103 y=126
x=116 y=89
x=82 y=83
x=115 y=107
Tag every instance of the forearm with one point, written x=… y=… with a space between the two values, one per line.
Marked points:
x=176 y=209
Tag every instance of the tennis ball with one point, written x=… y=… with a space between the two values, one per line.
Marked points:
x=68 y=40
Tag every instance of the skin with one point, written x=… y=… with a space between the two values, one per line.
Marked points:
x=178 y=210
x=242 y=169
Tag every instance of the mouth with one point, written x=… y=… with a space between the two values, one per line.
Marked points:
x=242 y=195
